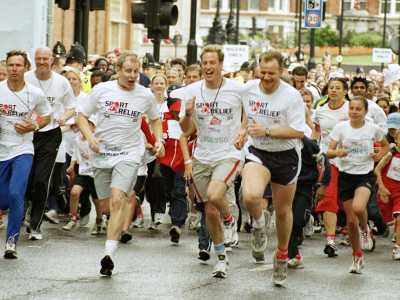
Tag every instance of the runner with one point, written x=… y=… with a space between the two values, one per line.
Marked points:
x=353 y=142
x=117 y=142
x=214 y=106
x=23 y=110
x=276 y=114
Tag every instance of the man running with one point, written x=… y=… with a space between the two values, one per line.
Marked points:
x=276 y=122
x=117 y=142
x=47 y=140
x=214 y=106
x=23 y=110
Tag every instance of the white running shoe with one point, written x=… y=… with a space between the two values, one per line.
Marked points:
x=52 y=216
x=139 y=223
x=280 y=271
x=35 y=235
x=158 y=218
x=357 y=265
x=396 y=252
x=84 y=220
x=367 y=241
x=70 y=226
x=229 y=228
x=308 y=230
x=220 y=269
x=296 y=262
x=11 y=250
x=258 y=244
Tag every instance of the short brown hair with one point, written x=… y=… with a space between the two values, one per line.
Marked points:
x=193 y=68
x=213 y=49
x=127 y=56
x=19 y=53
x=272 y=55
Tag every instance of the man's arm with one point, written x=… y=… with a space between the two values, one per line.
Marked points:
x=156 y=127
x=84 y=127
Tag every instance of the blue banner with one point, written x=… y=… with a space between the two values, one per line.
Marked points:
x=313 y=13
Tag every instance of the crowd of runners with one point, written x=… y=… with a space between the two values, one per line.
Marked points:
x=219 y=152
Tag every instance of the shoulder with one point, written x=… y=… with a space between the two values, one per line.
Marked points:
x=35 y=91
x=251 y=85
x=291 y=94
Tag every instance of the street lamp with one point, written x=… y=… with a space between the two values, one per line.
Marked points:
x=300 y=26
x=230 y=28
x=216 y=34
x=384 y=29
x=237 y=21
x=192 y=46
x=341 y=29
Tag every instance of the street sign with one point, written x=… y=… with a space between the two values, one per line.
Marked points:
x=313 y=10
x=235 y=56
x=339 y=59
x=382 y=55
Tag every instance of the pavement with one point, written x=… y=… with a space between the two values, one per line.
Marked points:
x=65 y=265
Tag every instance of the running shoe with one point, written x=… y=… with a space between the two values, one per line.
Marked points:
x=35 y=235
x=357 y=265
x=194 y=221
x=52 y=216
x=126 y=236
x=396 y=252
x=11 y=250
x=175 y=234
x=235 y=239
x=158 y=219
x=258 y=244
x=280 y=272
x=330 y=248
x=220 y=269
x=107 y=266
x=70 y=226
x=229 y=228
x=96 y=229
x=367 y=240
x=296 y=262
x=204 y=255
x=138 y=223
x=152 y=226
x=308 y=230
x=84 y=220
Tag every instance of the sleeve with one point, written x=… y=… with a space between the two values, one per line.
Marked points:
x=42 y=106
x=147 y=133
x=380 y=133
x=89 y=106
x=296 y=113
x=379 y=116
x=326 y=174
x=315 y=116
x=335 y=133
x=69 y=97
x=152 y=111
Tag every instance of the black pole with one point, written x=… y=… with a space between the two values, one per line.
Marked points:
x=237 y=21
x=311 y=60
x=192 y=46
x=300 y=26
x=341 y=29
x=398 y=53
x=78 y=22
x=384 y=30
x=85 y=25
x=157 y=34
x=156 y=47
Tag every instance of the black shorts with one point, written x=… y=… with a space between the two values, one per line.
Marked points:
x=348 y=183
x=86 y=182
x=284 y=166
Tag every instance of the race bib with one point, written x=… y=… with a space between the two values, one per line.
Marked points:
x=358 y=151
x=85 y=168
x=394 y=169
x=8 y=133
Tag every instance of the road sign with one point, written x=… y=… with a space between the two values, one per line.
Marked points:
x=339 y=59
x=313 y=13
x=234 y=57
x=382 y=55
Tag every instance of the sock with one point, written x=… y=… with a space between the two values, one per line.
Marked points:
x=228 y=219
x=219 y=249
x=281 y=254
x=111 y=247
x=330 y=237
x=358 y=253
x=259 y=223
x=98 y=221
x=74 y=217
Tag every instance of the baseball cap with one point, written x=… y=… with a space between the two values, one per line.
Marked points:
x=393 y=121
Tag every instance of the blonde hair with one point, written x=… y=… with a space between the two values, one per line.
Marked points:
x=213 y=49
x=132 y=57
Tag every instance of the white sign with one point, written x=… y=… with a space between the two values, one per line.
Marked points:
x=339 y=59
x=382 y=55
x=391 y=74
x=235 y=56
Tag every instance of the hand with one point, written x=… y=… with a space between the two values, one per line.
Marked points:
x=320 y=193
x=94 y=145
x=376 y=156
x=188 y=172
x=384 y=193
x=61 y=121
x=341 y=152
x=150 y=148
x=159 y=149
x=24 y=126
x=71 y=170
x=240 y=139
x=255 y=129
x=189 y=107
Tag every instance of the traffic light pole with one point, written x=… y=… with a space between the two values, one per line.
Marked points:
x=85 y=25
x=341 y=30
x=192 y=45
x=78 y=21
x=156 y=48
x=300 y=26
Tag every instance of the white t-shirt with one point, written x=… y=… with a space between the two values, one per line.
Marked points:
x=69 y=135
x=217 y=117
x=58 y=93
x=376 y=114
x=82 y=156
x=14 y=107
x=327 y=118
x=283 y=108
x=359 y=144
x=118 y=115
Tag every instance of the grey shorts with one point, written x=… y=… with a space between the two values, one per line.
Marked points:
x=122 y=177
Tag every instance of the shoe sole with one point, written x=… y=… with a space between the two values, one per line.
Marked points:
x=107 y=266
x=219 y=275
x=125 y=238
x=279 y=283
x=10 y=255
x=329 y=251
x=51 y=220
x=259 y=257
x=174 y=234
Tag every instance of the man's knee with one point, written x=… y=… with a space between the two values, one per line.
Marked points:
x=211 y=211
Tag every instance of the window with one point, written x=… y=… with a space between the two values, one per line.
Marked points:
x=397 y=6
x=347 y=5
x=254 y=4
x=205 y=4
x=383 y=6
x=115 y=38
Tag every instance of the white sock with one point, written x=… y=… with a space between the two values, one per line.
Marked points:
x=111 y=247
x=259 y=223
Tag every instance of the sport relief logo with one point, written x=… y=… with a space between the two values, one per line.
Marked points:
x=257 y=107
x=120 y=108
x=212 y=108
x=10 y=110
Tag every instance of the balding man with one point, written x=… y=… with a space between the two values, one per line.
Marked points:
x=47 y=140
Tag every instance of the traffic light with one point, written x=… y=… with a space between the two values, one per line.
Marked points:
x=97 y=5
x=63 y=4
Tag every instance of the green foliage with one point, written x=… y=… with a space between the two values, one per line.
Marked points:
x=363 y=39
x=325 y=36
